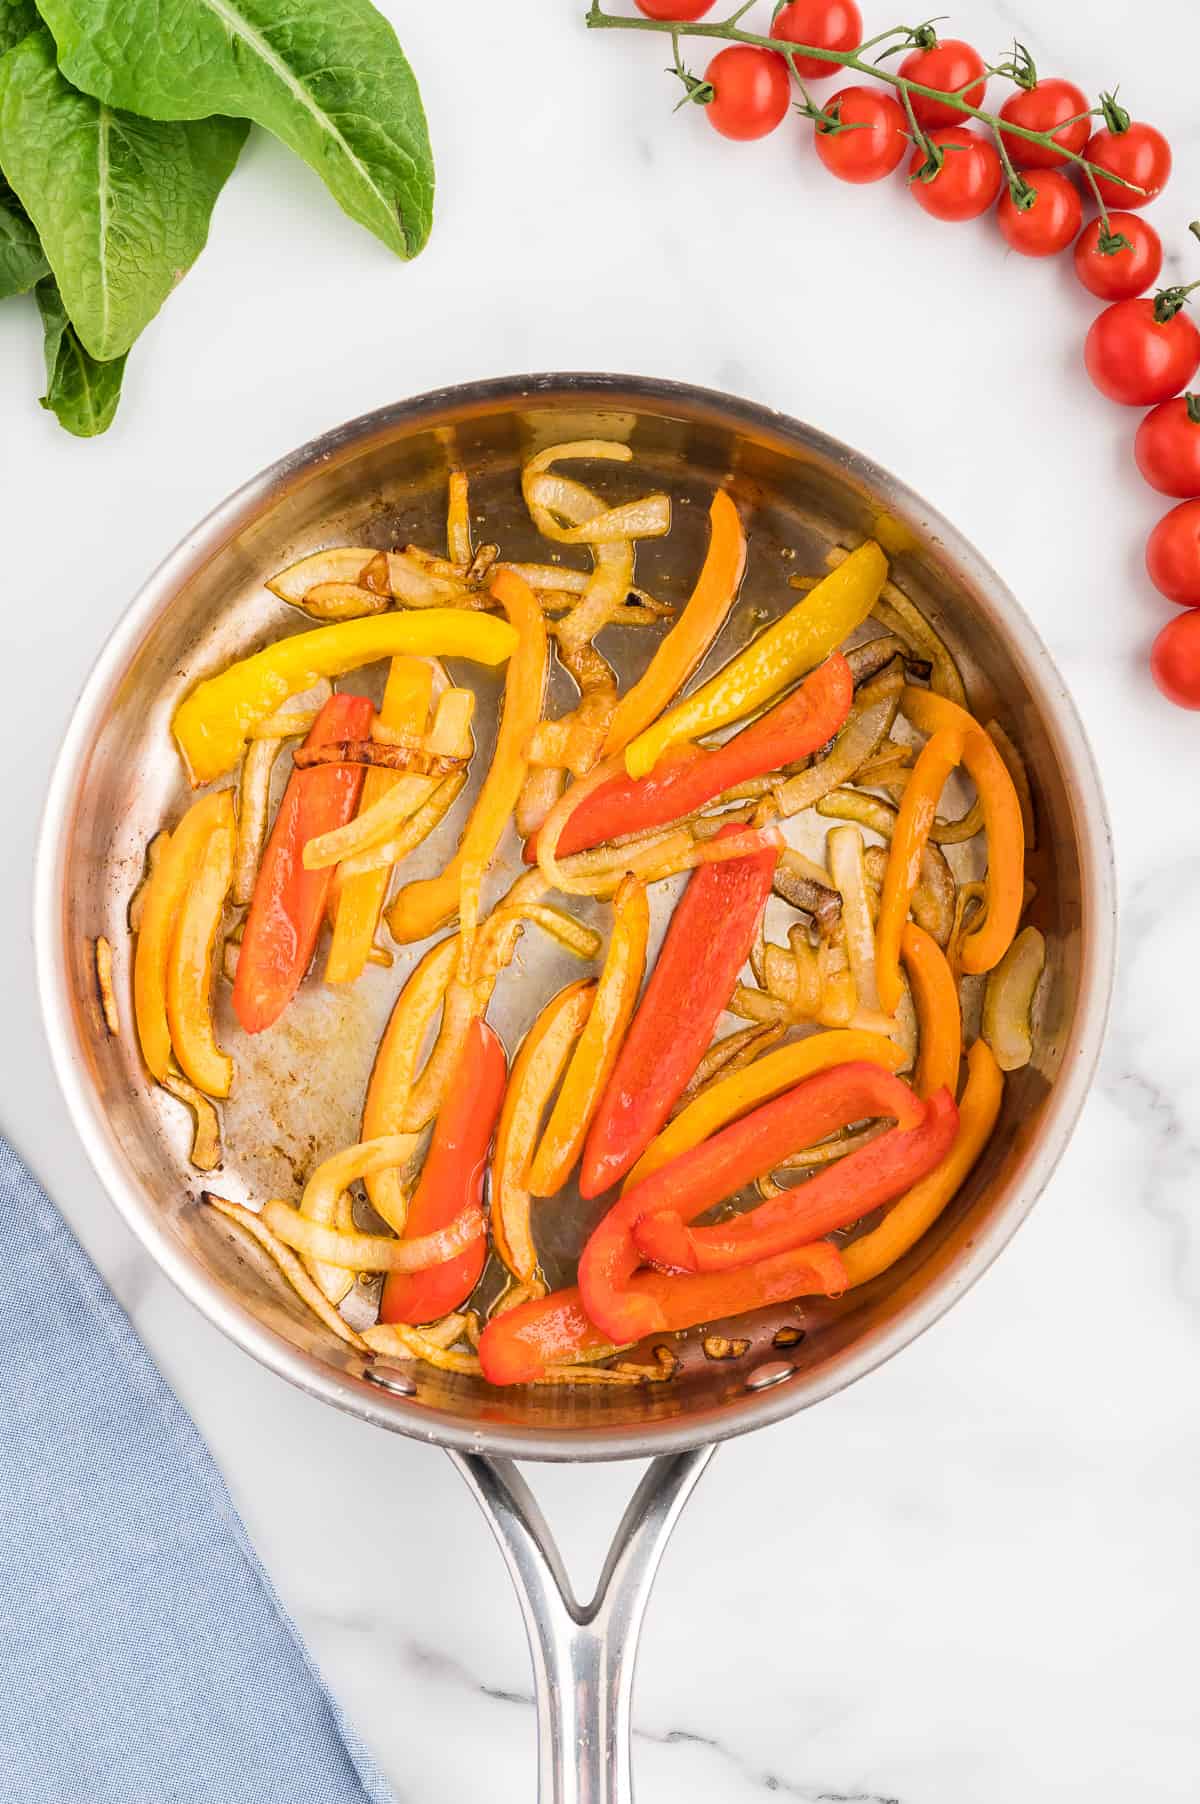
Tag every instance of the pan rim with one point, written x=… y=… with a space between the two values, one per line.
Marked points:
x=357 y=1396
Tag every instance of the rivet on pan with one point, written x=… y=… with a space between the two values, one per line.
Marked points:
x=390 y=1380
x=773 y=1372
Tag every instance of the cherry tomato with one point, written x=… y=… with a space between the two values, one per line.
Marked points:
x=751 y=91
x=1136 y=359
x=1167 y=446
x=952 y=66
x=1140 y=153
x=1043 y=108
x=826 y=24
x=684 y=11
x=1049 y=225
x=1173 y=555
x=876 y=142
x=1119 y=275
x=968 y=181
x=1175 y=660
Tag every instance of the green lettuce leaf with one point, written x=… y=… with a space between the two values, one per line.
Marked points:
x=17 y=19
x=326 y=76
x=80 y=392
x=121 y=204
x=22 y=260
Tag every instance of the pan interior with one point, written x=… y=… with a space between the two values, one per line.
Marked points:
x=299 y=1087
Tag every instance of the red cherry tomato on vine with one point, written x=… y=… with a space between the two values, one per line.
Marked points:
x=875 y=142
x=1119 y=275
x=1140 y=153
x=1043 y=108
x=1173 y=555
x=826 y=24
x=952 y=66
x=684 y=11
x=1049 y=225
x=1175 y=660
x=1167 y=447
x=751 y=91
x=968 y=181
x=1137 y=359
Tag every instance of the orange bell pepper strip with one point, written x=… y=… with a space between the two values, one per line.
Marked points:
x=395 y=1069
x=689 y=639
x=918 y=810
x=836 y=1197
x=939 y=1018
x=984 y=947
x=360 y=897
x=539 y=1064
x=516 y=1347
x=165 y=892
x=915 y=1213
x=422 y=907
x=212 y=723
x=190 y=959
x=600 y=1042
x=734 y=1096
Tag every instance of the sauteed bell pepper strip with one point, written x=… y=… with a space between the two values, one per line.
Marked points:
x=706 y=945
x=162 y=898
x=394 y=1072
x=517 y=1347
x=733 y=1096
x=689 y=639
x=985 y=945
x=536 y=1070
x=836 y=1196
x=190 y=960
x=599 y=1044
x=939 y=1017
x=211 y=725
x=360 y=899
x=915 y=1212
x=710 y=1172
x=685 y=778
x=805 y=635
x=422 y=907
x=918 y=810
x=288 y=904
x=451 y=1178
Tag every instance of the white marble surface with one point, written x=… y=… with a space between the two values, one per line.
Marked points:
x=973 y=1576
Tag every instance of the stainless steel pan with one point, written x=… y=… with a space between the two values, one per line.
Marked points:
x=381 y=480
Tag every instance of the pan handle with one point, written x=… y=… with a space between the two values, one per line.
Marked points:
x=583 y=1654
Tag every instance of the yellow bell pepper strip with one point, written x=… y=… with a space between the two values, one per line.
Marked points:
x=917 y=1210
x=536 y=1069
x=805 y=635
x=395 y=1070
x=734 y=1096
x=689 y=639
x=162 y=898
x=939 y=1018
x=984 y=947
x=918 y=810
x=212 y=724
x=420 y=908
x=190 y=960
x=599 y=1043
x=360 y=899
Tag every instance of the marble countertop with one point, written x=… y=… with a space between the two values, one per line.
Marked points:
x=973 y=1575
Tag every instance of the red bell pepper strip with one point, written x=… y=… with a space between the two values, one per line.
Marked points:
x=706 y=945
x=288 y=904
x=841 y=1194
x=685 y=778
x=516 y=1347
x=713 y=1170
x=452 y=1177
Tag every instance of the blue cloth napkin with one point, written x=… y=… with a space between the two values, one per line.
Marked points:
x=144 y=1658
